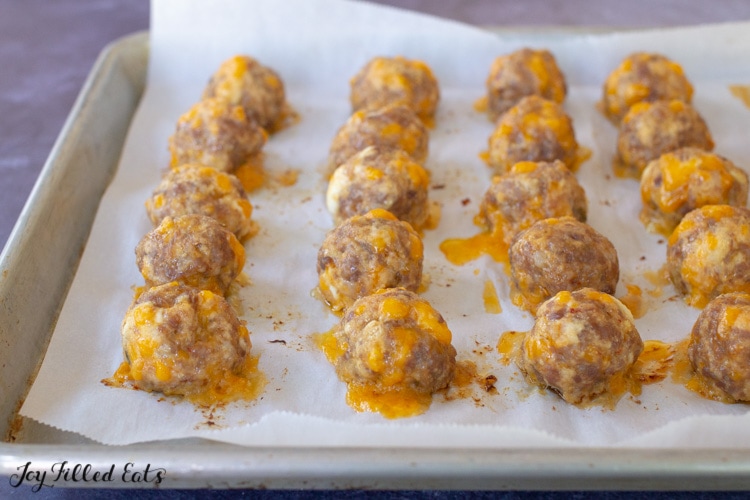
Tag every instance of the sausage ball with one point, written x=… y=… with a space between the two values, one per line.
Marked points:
x=217 y=134
x=535 y=129
x=395 y=80
x=708 y=253
x=366 y=253
x=529 y=192
x=719 y=348
x=243 y=81
x=559 y=254
x=581 y=345
x=395 y=340
x=192 y=249
x=522 y=73
x=651 y=129
x=685 y=179
x=183 y=341
x=394 y=126
x=197 y=189
x=642 y=77
x=379 y=178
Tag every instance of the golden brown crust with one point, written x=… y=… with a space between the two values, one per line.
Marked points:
x=217 y=134
x=395 y=80
x=379 y=178
x=719 y=346
x=685 y=179
x=535 y=129
x=197 y=189
x=529 y=192
x=643 y=77
x=522 y=73
x=581 y=342
x=651 y=129
x=708 y=253
x=194 y=250
x=393 y=126
x=395 y=339
x=366 y=253
x=560 y=254
x=242 y=80
x=179 y=339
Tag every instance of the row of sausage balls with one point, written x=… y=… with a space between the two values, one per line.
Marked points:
x=180 y=335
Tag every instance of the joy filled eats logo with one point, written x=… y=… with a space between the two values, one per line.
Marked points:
x=65 y=472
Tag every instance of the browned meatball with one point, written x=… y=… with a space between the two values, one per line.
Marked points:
x=192 y=249
x=217 y=134
x=394 y=126
x=529 y=192
x=709 y=253
x=651 y=129
x=522 y=73
x=395 y=80
x=366 y=253
x=640 y=77
x=581 y=345
x=241 y=80
x=183 y=341
x=379 y=178
x=719 y=346
x=197 y=189
x=535 y=129
x=685 y=179
x=395 y=340
x=560 y=254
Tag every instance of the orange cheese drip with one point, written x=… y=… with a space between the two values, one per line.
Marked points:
x=509 y=346
x=251 y=174
x=491 y=301
x=459 y=251
x=633 y=300
x=741 y=92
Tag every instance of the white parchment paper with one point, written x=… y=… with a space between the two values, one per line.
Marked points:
x=316 y=46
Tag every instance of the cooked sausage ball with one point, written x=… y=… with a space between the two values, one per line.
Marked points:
x=366 y=253
x=582 y=343
x=522 y=73
x=559 y=254
x=243 y=81
x=529 y=192
x=395 y=340
x=535 y=129
x=197 y=189
x=379 y=178
x=394 y=126
x=651 y=129
x=395 y=80
x=640 y=77
x=709 y=253
x=183 y=341
x=719 y=346
x=217 y=134
x=192 y=249
x=687 y=178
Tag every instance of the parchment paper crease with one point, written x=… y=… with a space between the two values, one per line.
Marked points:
x=316 y=46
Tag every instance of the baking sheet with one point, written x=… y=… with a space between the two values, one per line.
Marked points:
x=298 y=371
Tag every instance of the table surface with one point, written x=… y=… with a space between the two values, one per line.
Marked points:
x=48 y=48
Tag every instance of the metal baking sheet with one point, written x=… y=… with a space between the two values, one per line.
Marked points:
x=37 y=267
